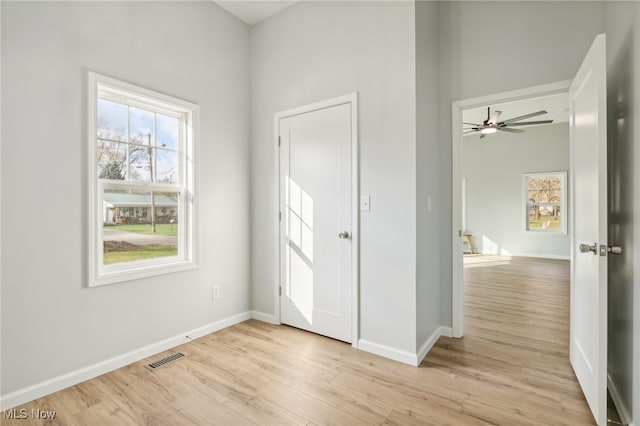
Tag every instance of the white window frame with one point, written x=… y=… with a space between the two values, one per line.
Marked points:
x=126 y=93
x=562 y=203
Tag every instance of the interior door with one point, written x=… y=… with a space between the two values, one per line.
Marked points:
x=316 y=221
x=588 y=148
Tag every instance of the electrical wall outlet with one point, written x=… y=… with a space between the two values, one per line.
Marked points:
x=215 y=292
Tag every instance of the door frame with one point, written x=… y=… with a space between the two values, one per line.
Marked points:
x=457 y=265
x=352 y=100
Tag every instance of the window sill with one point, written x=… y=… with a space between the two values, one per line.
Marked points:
x=144 y=271
x=543 y=232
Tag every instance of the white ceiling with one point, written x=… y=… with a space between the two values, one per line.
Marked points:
x=254 y=11
x=557 y=107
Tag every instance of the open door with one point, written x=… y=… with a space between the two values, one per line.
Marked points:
x=588 y=210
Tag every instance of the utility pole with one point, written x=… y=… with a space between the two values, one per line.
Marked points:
x=153 y=201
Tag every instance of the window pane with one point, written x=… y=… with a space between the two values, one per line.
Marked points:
x=128 y=232
x=542 y=218
x=555 y=189
x=112 y=120
x=544 y=189
x=141 y=125
x=167 y=129
x=112 y=160
x=534 y=186
x=166 y=166
x=140 y=163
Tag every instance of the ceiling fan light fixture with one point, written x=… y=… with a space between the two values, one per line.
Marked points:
x=488 y=130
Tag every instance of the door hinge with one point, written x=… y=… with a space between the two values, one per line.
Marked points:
x=279 y=290
x=460 y=233
x=279 y=216
x=279 y=141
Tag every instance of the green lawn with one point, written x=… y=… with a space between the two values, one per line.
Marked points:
x=144 y=252
x=145 y=228
x=554 y=223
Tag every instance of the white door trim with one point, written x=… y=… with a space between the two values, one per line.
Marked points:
x=351 y=99
x=457 y=277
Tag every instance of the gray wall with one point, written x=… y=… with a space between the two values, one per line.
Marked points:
x=492 y=47
x=623 y=107
x=428 y=180
x=317 y=50
x=493 y=169
x=52 y=323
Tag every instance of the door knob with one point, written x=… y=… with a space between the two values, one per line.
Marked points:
x=344 y=235
x=586 y=248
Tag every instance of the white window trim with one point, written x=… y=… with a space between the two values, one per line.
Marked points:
x=563 y=203
x=100 y=274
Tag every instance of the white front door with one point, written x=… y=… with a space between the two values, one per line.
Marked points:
x=316 y=227
x=588 y=147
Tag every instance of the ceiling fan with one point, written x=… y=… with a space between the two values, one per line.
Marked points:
x=492 y=125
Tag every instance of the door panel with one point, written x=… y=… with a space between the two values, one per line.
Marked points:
x=588 y=147
x=316 y=200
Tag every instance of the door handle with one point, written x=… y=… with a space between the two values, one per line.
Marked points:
x=344 y=235
x=586 y=248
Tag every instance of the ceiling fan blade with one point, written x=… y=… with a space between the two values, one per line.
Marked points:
x=526 y=123
x=524 y=117
x=506 y=129
x=482 y=135
x=470 y=131
x=494 y=117
x=472 y=124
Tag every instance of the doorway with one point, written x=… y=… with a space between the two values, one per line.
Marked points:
x=317 y=230
x=459 y=189
x=588 y=220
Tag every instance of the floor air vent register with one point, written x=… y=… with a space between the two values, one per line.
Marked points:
x=165 y=361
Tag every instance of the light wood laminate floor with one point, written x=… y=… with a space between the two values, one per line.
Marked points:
x=511 y=368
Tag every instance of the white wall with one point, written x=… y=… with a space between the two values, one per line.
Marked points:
x=51 y=322
x=623 y=107
x=427 y=178
x=318 y=50
x=493 y=47
x=493 y=169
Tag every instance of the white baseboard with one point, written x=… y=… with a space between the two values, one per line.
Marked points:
x=544 y=256
x=623 y=412
x=405 y=356
x=427 y=345
x=431 y=340
x=446 y=331
x=388 y=352
x=55 y=384
x=538 y=255
x=261 y=316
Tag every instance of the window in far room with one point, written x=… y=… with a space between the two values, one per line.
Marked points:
x=545 y=202
x=141 y=146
